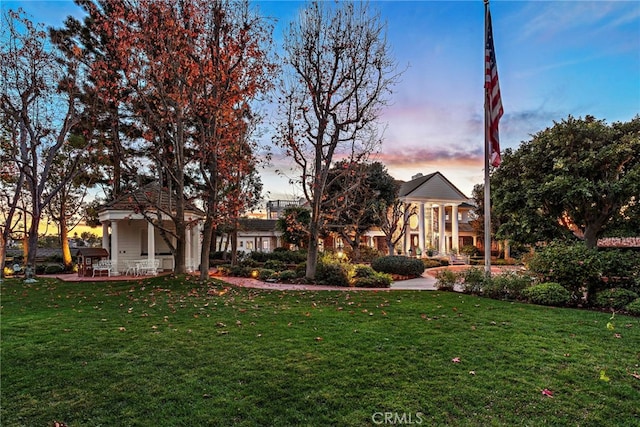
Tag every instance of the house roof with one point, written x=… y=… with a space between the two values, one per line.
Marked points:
x=255 y=224
x=92 y=252
x=147 y=197
x=433 y=186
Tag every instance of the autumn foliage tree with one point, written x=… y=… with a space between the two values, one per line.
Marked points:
x=185 y=72
x=338 y=72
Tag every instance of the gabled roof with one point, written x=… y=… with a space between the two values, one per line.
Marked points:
x=147 y=197
x=92 y=252
x=431 y=187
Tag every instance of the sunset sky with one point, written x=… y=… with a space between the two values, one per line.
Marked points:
x=555 y=58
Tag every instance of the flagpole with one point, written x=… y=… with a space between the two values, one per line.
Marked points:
x=487 y=154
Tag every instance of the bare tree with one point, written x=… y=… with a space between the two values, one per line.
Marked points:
x=39 y=108
x=394 y=220
x=340 y=71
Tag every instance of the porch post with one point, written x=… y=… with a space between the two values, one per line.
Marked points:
x=114 y=246
x=105 y=236
x=151 y=241
x=421 y=229
x=455 y=240
x=442 y=244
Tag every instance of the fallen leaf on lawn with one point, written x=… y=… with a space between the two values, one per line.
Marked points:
x=122 y=329
x=603 y=376
x=617 y=335
x=610 y=326
x=472 y=372
x=319 y=338
x=547 y=392
x=456 y=360
x=424 y=316
x=635 y=375
x=567 y=355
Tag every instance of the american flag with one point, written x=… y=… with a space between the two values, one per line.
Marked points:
x=493 y=101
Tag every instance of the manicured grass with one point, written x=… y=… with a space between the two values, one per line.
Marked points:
x=172 y=352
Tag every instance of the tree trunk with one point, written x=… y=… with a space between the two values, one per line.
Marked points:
x=207 y=236
x=64 y=239
x=234 y=245
x=390 y=247
x=3 y=253
x=32 y=246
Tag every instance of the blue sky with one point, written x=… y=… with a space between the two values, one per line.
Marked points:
x=555 y=58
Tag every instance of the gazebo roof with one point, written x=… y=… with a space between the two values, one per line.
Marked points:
x=150 y=196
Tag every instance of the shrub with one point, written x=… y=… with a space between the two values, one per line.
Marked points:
x=332 y=273
x=301 y=269
x=470 y=250
x=431 y=263
x=548 y=293
x=614 y=298
x=266 y=274
x=509 y=286
x=259 y=256
x=367 y=254
x=249 y=262
x=473 y=280
x=573 y=266
x=362 y=271
x=398 y=265
x=224 y=269
x=446 y=280
x=53 y=269
x=287 y=276
x=275 y=264
x=620 y=269
x=633 y=307
x=377 y=280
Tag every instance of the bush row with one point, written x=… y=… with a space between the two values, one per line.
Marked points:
x=400 y=265
x=585 y=272
x=523 y=286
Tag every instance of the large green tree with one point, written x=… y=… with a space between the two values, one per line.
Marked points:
x=355 y=194
x=575 y=178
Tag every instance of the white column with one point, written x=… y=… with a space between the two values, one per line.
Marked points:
x=196 y=245
x=455 y=245
x=421 y=229
x=105 y=236
x=114 y=246
x=430 y=228
x=442 y=244
x=151 y=241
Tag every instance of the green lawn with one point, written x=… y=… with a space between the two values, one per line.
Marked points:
x=169 y=352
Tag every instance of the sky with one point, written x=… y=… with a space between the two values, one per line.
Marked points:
x=555 y=59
